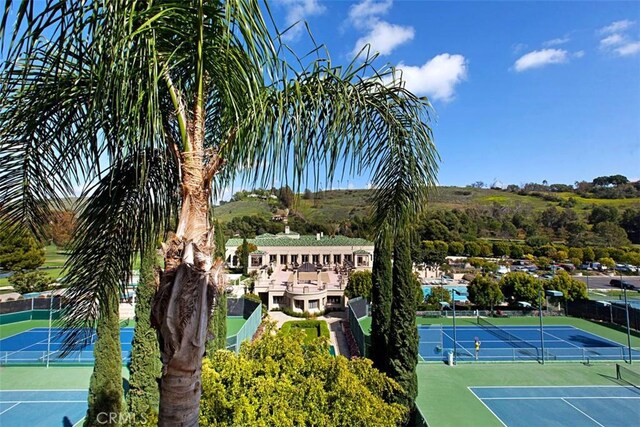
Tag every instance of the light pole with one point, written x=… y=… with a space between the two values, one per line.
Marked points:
x=626 y=309
x=455 y=345
x=455 y=292
x=551 y=293
x=541 y=327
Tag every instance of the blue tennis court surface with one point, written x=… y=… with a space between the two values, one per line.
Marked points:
x=515 y=343
x=20 y=408
x=589 y=406
x=33 y=346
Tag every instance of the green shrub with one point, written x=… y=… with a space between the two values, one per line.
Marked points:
x=313 y=328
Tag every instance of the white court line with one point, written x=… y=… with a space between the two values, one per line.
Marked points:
x=78 y=423
x=9 y=408
x=458 y=342
x=44 y=401
x=43 y=389
x=44 y=341
x=561 y=339
x=560 y=397
x=582 y=412
x=550 y=386
x=485 y=405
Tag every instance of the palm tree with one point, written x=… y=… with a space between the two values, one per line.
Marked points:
x=157 y=105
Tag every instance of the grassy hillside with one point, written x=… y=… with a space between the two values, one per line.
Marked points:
x=338 y=205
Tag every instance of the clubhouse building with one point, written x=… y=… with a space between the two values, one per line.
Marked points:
x=303 y=272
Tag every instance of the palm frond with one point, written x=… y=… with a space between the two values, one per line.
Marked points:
x=127 y=210
x=327 y=113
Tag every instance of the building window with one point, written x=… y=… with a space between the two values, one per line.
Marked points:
x=299 y=304
x=336 y=259
x=256 y=261
x=315 y=259
x=272 y=259
x=283 y=259
x=313 y=304
x=334 y=300
x=326 y=259
x=294 y=259
x=363 y=261
x=278 y=299
x=305 y=258
x=347 y=257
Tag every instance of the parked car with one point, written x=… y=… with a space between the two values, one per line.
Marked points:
x=622 y=284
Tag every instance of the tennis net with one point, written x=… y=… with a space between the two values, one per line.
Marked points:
x=507 y=337
x=627 y=375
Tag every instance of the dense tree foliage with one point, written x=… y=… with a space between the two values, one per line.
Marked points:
x=359 y=285
x=220 y=238
x=381 y=297
x=242 y=252
x=30 y=281
x=520 y=287
x=438 y=294
x=403 y=337
x=61 y=227
x=105 y=387
x=145 y=367
x=572 y=289
x=276 y=381
x=485 y=292
x=218 y=325
x=18 y=250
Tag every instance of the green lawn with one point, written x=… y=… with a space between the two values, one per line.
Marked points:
x=311 y=328
x=612 y=332
x=445 y=400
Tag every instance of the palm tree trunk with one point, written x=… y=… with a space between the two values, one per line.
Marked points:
x=183 y=303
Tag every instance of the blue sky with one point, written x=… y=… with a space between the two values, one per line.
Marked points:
x=523 y=91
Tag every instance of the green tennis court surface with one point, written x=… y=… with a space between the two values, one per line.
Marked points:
x=19 y=408
x=446 y=399
x=578 y=406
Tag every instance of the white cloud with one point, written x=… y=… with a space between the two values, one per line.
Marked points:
x=363 y=13
x=612 y=40
x=628 y=49
x=299 y=10
x=578 y=54
x=437 y=78
x=556 y=42
x=518 y=47
x=619 y=43
x=540 y=58
x=617 y=26
x=384 y=37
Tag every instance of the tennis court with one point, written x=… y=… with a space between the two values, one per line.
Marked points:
x=604 y=406
x=38 y=345
x=19 y=408
x=518 y=343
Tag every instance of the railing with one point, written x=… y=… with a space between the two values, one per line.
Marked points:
x=25 y=357
x=355 y=306
x=247 y=330
x=568 y=354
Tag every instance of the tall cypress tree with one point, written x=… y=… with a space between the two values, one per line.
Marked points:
x=244 y=257
x=218 y=325
x=220 y=239
x=145 y=368
x=105 y=387
x=403 y=337
x=381 y=297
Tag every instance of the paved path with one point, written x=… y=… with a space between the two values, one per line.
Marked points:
x=336 y=336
